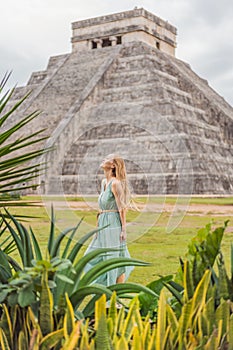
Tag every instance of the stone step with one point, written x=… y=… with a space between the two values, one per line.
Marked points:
x=156 y=150
x=168 y=106
x=141 y=91
x=193 y=122
x=193 y=129
x=161 y=148
x=162 y=125
x=130 y=176
x=116 y=111
x=151 y=81
x=73 y=77
x=134 y=71
x=159 y=166
x=157 y=137
x=55 y=61
x=202 y=86
x=132 y=78
x=164 y=106
x=19 y=93
x=53 y=64
x=75 y=68
x=37 y=77
x=166 y=183
x=146 y=59
x=62 y=87
x=189 y=144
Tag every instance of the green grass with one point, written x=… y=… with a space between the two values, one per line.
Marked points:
x=149 y=237
x=221 y=200
x=193 y=200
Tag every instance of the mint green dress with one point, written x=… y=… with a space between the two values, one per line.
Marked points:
x=109 y=237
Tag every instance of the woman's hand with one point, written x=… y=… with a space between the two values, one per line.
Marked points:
x=123 y=235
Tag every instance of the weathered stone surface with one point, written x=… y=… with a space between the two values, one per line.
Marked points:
x=174 y=131
x=122 y=28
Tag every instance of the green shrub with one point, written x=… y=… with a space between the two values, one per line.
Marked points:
x=199 y=326
x=21 y=282
x=204 y=253
x=199 y=323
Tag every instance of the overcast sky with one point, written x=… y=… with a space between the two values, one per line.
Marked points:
x=33 y=30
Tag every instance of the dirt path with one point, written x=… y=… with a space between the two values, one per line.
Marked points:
x=197 y=209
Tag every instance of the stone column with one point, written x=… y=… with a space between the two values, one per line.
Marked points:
x=113 y=40
x=89 y=44
x=99 y=43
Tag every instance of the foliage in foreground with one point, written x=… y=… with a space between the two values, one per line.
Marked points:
x=19 y=165
x=15 y=170
x=199 y=326
x=41 y=299
x=204 y=253
x=21 y=283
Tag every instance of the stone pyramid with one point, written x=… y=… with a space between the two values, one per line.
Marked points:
x=122 y=90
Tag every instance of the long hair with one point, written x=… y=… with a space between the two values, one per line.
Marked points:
x=119 y=172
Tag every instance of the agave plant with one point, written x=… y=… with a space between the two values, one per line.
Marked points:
x=21 y=283
x=15 y=169
x=199 y=326
x=204 y=251
x=20 y=329
x=204 y=254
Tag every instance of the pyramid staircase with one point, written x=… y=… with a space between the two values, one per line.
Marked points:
x=146 y=113
x=174 y=131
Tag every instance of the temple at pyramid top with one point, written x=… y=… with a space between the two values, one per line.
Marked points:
x=124 y=27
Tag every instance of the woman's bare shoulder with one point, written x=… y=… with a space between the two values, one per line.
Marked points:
x=116 y=184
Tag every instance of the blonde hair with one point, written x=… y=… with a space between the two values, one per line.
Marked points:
x=119 y=172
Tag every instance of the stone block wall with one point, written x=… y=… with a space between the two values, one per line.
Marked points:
x=172 y=129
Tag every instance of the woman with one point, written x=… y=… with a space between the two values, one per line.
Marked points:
x=112 y=202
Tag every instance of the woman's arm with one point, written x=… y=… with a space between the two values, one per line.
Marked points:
x=117 y=191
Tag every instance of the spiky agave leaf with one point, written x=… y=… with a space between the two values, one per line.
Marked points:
x=108 y=265
x=102 y=339
x=14 y=168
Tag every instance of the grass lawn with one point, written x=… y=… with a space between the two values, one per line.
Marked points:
x=149 y=238
x=221 y=200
